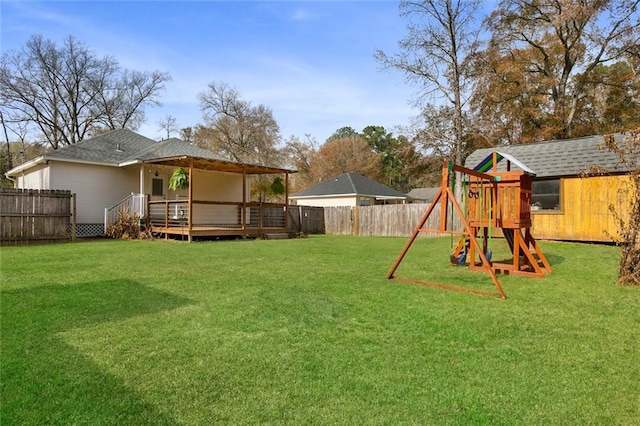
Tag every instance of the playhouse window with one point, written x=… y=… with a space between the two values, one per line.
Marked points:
x=545 y=195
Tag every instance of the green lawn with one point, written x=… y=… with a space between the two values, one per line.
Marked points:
x=309 y=331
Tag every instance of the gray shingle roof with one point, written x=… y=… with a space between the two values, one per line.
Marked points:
x=347 y=184
x=426 y=194
x=176 y=148
x=567 y=157
x=113 y=147
x=122 y=145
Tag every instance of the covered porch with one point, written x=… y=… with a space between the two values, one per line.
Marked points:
x=217 y=201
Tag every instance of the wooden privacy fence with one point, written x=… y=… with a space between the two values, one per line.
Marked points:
x=306 y=219
x=393 y=220
x=30 y=215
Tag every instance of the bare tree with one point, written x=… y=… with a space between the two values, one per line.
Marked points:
x=237 y=129
x=300 y=154
x=436 y=54
x=168 y=124
x=68 y=91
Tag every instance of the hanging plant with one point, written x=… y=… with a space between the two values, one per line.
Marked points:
x=277 y=186
x=179 y=179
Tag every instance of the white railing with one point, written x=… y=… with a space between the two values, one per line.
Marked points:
x=134 y=203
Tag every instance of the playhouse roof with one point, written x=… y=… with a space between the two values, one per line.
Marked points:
x=487 y=164
x=568 y=157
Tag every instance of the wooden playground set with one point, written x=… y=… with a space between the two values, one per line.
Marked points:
x=491 y=200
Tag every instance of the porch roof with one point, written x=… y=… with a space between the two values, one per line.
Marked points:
x=201 y=163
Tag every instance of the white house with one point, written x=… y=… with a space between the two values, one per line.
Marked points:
x=348 y=189
x=114 y=167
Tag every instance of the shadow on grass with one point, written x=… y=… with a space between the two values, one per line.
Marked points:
x=44 y=380
x=554 y=259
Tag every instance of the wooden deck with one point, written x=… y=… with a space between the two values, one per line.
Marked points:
x=217 y=219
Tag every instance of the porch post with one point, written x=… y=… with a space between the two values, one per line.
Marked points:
x=141 y=179
x=143 y=206
x=243 y=212
x=286 y=201
x=190 y=201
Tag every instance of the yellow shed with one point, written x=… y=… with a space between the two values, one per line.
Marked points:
x=566 y=203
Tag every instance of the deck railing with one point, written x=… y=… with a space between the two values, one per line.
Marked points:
x=252 y=216
x=134 y=203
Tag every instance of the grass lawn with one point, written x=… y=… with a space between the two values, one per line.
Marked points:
x=309 y=331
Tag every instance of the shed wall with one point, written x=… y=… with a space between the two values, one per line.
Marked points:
x=585 y=214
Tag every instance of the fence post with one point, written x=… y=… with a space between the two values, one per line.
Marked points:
x=74 y=222
x=356 y=221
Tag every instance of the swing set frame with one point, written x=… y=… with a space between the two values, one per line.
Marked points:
x=495 y=200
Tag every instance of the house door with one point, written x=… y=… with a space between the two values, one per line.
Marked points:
x=157 y=189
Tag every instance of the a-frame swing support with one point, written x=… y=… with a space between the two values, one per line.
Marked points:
x=446 y=196
x=509 y=208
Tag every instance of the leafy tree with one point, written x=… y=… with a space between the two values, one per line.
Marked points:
x=342 y=133
x=611 y=101
x=237 y=129
x=544 y=60
x=66 y=91
x=345 y=155
x=414 y=167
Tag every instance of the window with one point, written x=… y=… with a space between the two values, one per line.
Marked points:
x=157 y=187
x=545 y=195
x=365 y=201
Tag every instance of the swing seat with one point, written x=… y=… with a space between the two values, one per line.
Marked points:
x=461 y=259
x=488 y=255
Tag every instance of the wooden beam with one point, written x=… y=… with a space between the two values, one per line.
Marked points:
x=243 y=211
x=190 y=201
x=286 y=201
x=416 y=231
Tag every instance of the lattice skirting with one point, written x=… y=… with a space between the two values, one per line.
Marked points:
x=90 y=229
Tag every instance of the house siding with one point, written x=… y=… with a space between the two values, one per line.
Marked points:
x=96 y=187
x=351 y=201
x=36 y=178
x=584 y=213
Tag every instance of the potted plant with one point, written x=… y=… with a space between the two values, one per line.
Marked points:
x=179 y=179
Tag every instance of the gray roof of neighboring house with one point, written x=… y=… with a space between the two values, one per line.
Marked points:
x=568 y=157
x=426 y=194
x=349 y=184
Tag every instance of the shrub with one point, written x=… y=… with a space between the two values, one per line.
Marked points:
x=129 y=226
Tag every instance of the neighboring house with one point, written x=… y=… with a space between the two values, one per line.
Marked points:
x=349 y=189
x=423 y=195
x=566 y=204
x=111 y=169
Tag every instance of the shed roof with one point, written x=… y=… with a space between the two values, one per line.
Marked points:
x=567 y=157
x=426 y=194
x=350 y=184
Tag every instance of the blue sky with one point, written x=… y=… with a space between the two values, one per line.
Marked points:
x=310 y=62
